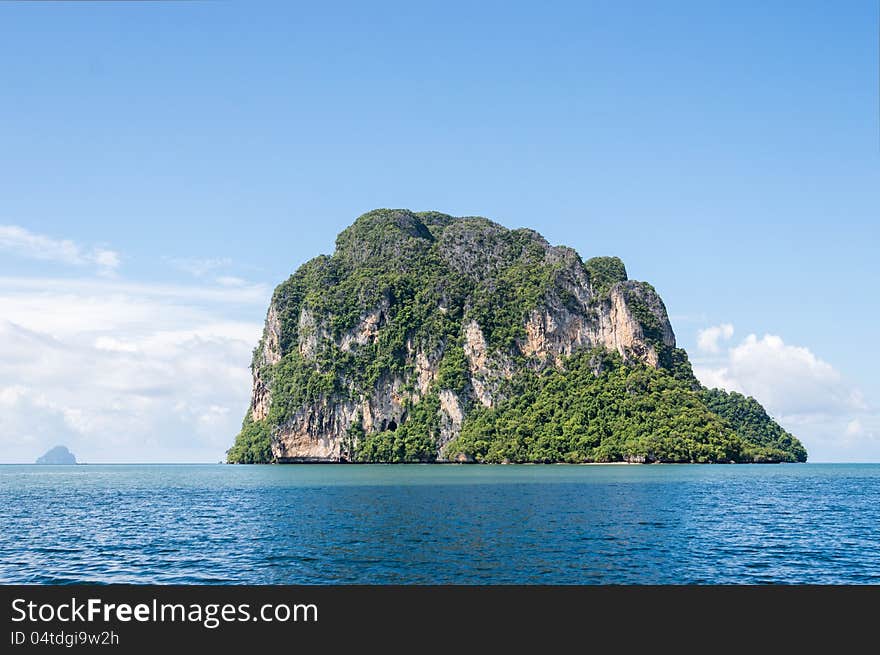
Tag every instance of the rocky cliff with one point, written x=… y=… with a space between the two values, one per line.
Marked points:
x=422 y=327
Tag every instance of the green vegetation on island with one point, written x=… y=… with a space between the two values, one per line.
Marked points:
x=598 y=409
x=460 y=339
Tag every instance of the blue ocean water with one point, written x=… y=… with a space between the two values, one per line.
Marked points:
x=325 y=524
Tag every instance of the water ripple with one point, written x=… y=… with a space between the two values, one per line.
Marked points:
x=440 y=524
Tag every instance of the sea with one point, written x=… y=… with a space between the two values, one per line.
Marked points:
x=440 y=524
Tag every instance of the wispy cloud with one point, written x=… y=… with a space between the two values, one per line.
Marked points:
x=24 y=243
x=854 y=428
x=211 y=269
x=231 y=281
x=199 y=267
x=246 y=293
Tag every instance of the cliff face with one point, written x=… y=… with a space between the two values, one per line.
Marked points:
x=382 y=351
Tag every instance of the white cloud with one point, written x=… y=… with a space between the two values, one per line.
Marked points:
x=199 y=267
x=788 y=379
x=807 y=395
x=24 y=243
x=230 y=281
x=124 y=372
x=854 y=428
x=208 y=269
x=30 y=424
x=107 y=259
x=707 y=340
x=97 y=289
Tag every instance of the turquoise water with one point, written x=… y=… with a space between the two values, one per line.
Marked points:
x=809 y=523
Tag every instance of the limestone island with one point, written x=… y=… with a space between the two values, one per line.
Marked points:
x=57 y=455
x=430 y=338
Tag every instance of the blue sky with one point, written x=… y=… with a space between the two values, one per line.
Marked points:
x=164 y=165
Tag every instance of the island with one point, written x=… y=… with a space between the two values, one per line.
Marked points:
x=57 y=455
x=430 y=338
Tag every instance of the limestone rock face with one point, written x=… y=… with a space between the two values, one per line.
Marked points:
x=427 y=308
x=268 y=353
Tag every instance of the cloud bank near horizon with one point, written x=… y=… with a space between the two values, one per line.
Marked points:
x=806 y=394
x=119 y=370
x=121 y=376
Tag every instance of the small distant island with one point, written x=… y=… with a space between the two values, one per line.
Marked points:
x=57 y=455
x=430 y=338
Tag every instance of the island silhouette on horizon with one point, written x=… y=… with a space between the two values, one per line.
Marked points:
x=57 y=455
